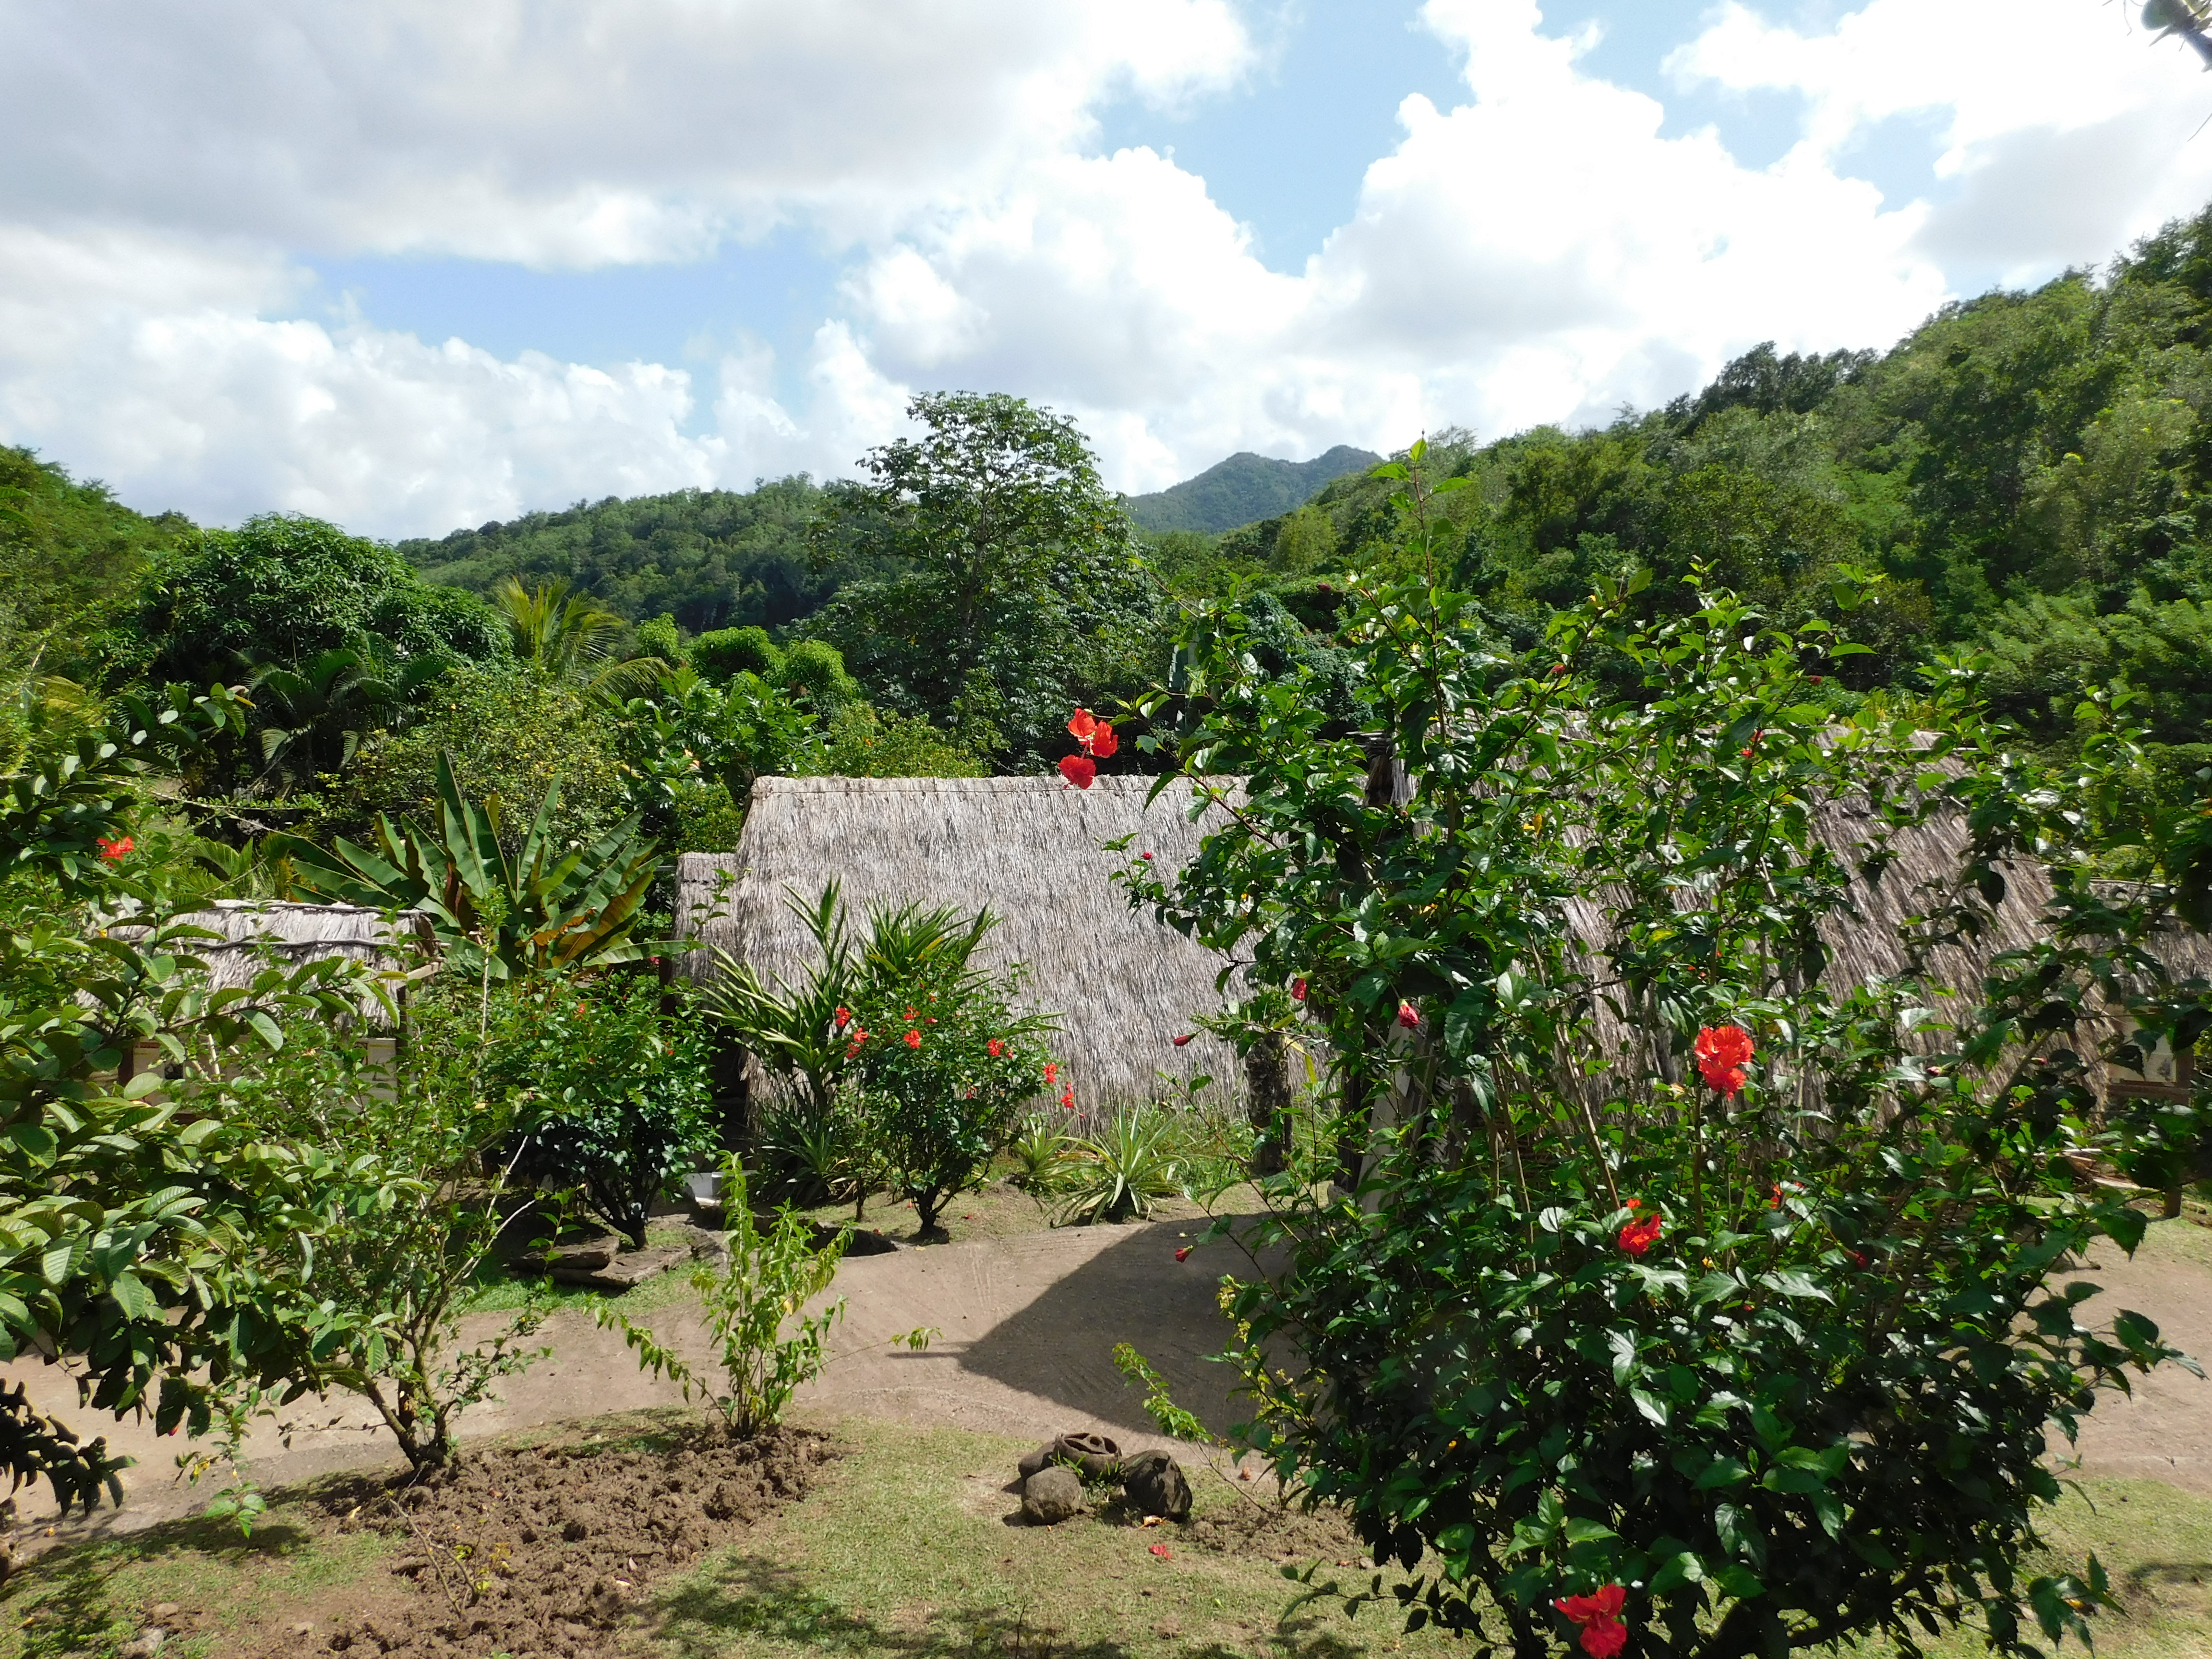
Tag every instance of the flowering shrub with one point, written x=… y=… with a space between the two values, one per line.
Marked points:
x=941 y=1060
x=1676 y=1298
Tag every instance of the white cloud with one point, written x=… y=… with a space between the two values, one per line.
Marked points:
x=145 y=361
x=1539 y=249
x=559 y=132
x=2066 y=129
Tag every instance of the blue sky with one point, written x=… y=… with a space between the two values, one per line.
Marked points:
x=408 y=267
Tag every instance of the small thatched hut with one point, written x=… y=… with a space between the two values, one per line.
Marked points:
x=250 y=932
x=1034 y=851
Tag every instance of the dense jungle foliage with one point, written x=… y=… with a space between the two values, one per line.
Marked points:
x=2026 y=469
x=2023 y=473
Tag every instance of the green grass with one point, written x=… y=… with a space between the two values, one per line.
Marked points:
x=2155 y=1540
x=88 y=1597
x=498 y=1290
x=903 y=1550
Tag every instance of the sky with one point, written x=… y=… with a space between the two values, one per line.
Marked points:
x=411 y=266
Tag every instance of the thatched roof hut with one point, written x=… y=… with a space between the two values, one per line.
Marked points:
x=1034 y=851
x=253 y=930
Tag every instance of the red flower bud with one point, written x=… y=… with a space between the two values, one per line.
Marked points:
x=1408 y=1016
x=1298 y=990
x=1183 y=1042
x=1183 y=1254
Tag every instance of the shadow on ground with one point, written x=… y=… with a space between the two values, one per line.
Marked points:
x=746 y=1602
x=1060 y=1345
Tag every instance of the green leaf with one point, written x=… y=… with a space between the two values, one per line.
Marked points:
x=1722 y=1472
x=132 y=1297
x=1684 y=1569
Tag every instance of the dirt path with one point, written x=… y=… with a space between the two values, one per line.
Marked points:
x=1027 y=1326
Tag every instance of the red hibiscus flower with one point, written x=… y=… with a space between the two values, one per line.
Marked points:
x=1068 y=1100
x=1081 y=724
x=1598 y=1615
x=914 y=1039
x=1408 y=1016
x=843 y=1014
x=996 y=1048
x=1298 y=990
x=1079 y=769
x=1183 y=1042
x=116 y=851
x=1638 y=1236
x=1051 y=1071
x=1722 y=1052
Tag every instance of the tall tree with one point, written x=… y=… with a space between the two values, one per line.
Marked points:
x=1018 y=590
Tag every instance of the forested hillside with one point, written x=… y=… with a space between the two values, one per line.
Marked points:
x=712 y=558
x=1243 y=488
x=2028 y=470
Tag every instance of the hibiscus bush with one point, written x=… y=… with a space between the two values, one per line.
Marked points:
x=943 y=1060
x=1692 y=1285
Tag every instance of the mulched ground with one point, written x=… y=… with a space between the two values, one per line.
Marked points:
x=543 y=1550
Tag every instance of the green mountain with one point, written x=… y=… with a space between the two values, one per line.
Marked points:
x=1243 y=488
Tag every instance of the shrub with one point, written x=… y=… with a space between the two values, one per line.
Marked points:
x=659 y=637
x=1122 y=1168
x=1040 y=1151
x=771 y=1275
x=727 y=653
x=611 y=1094
x=817 y=669
x=505 y=734
x=862 y=742
x=391 y=1270
x=1672 y=1294
x=944 y=1061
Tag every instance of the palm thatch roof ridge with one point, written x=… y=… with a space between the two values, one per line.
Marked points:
x=251 y=931
x=1032 y=849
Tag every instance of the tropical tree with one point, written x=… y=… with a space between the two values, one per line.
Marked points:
x=1021 y=592
x=315 y=718
x=558 y=632
x=491 y=913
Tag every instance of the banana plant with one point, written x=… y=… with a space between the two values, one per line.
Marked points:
x=537 y=912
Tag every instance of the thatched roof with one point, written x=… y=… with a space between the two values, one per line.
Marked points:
x=253 y=931
x=1030 y=848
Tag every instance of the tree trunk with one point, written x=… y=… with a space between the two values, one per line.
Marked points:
x=1268 y=1101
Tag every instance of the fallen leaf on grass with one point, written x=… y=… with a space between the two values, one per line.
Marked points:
x=1150 y=1521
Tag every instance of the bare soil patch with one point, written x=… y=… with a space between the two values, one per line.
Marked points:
x=537 y=1550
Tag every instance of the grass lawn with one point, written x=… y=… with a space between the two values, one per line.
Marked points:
x=902 y=1551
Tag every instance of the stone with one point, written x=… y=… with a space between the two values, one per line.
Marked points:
x=1052 y=1495
x=1154 y=1482
x=165 y=1610
x=144 y=1645
x=625 y=1272
x=583 y=1255
x=1098 y=1457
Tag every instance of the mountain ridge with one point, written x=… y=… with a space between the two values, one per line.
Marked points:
x=1242 y=489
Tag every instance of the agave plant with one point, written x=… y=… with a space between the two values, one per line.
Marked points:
x=540 y=910
x=1040 y=1153
x=1116 y=1172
